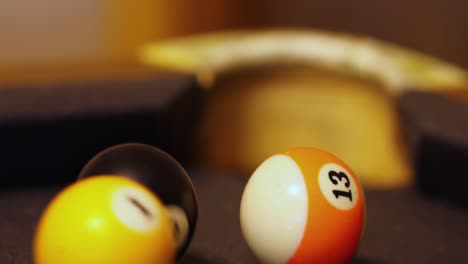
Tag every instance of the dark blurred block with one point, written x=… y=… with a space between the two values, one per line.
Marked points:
x=437 y=131
x=48 y=132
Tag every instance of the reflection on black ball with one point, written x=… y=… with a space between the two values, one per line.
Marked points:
x=159 y=172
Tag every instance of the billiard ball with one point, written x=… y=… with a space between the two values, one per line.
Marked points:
x=105 y=219
x=159 y=172
x=303 y=205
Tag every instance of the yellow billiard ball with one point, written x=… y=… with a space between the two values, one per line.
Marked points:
x=105 y=219
x=303 y=205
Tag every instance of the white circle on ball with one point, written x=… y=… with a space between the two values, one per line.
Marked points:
x=274 y=209
x=338 y=186
x=181 y=223
x=135 y=209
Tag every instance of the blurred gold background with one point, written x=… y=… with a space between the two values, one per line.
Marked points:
x=76 y=40
x=79 y=31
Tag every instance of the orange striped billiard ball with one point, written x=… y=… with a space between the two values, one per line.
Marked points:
x=303 y=205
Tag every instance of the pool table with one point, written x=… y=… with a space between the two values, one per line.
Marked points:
x=402 y=225
x=47 y=134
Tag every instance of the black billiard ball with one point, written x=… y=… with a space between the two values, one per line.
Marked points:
x=160 y=173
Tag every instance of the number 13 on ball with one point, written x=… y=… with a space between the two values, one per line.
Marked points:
x=303 y=205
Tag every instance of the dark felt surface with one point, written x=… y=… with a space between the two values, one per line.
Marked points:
x=436 y=128
x=402 y=226
x=57 y=128
x=75 y=99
